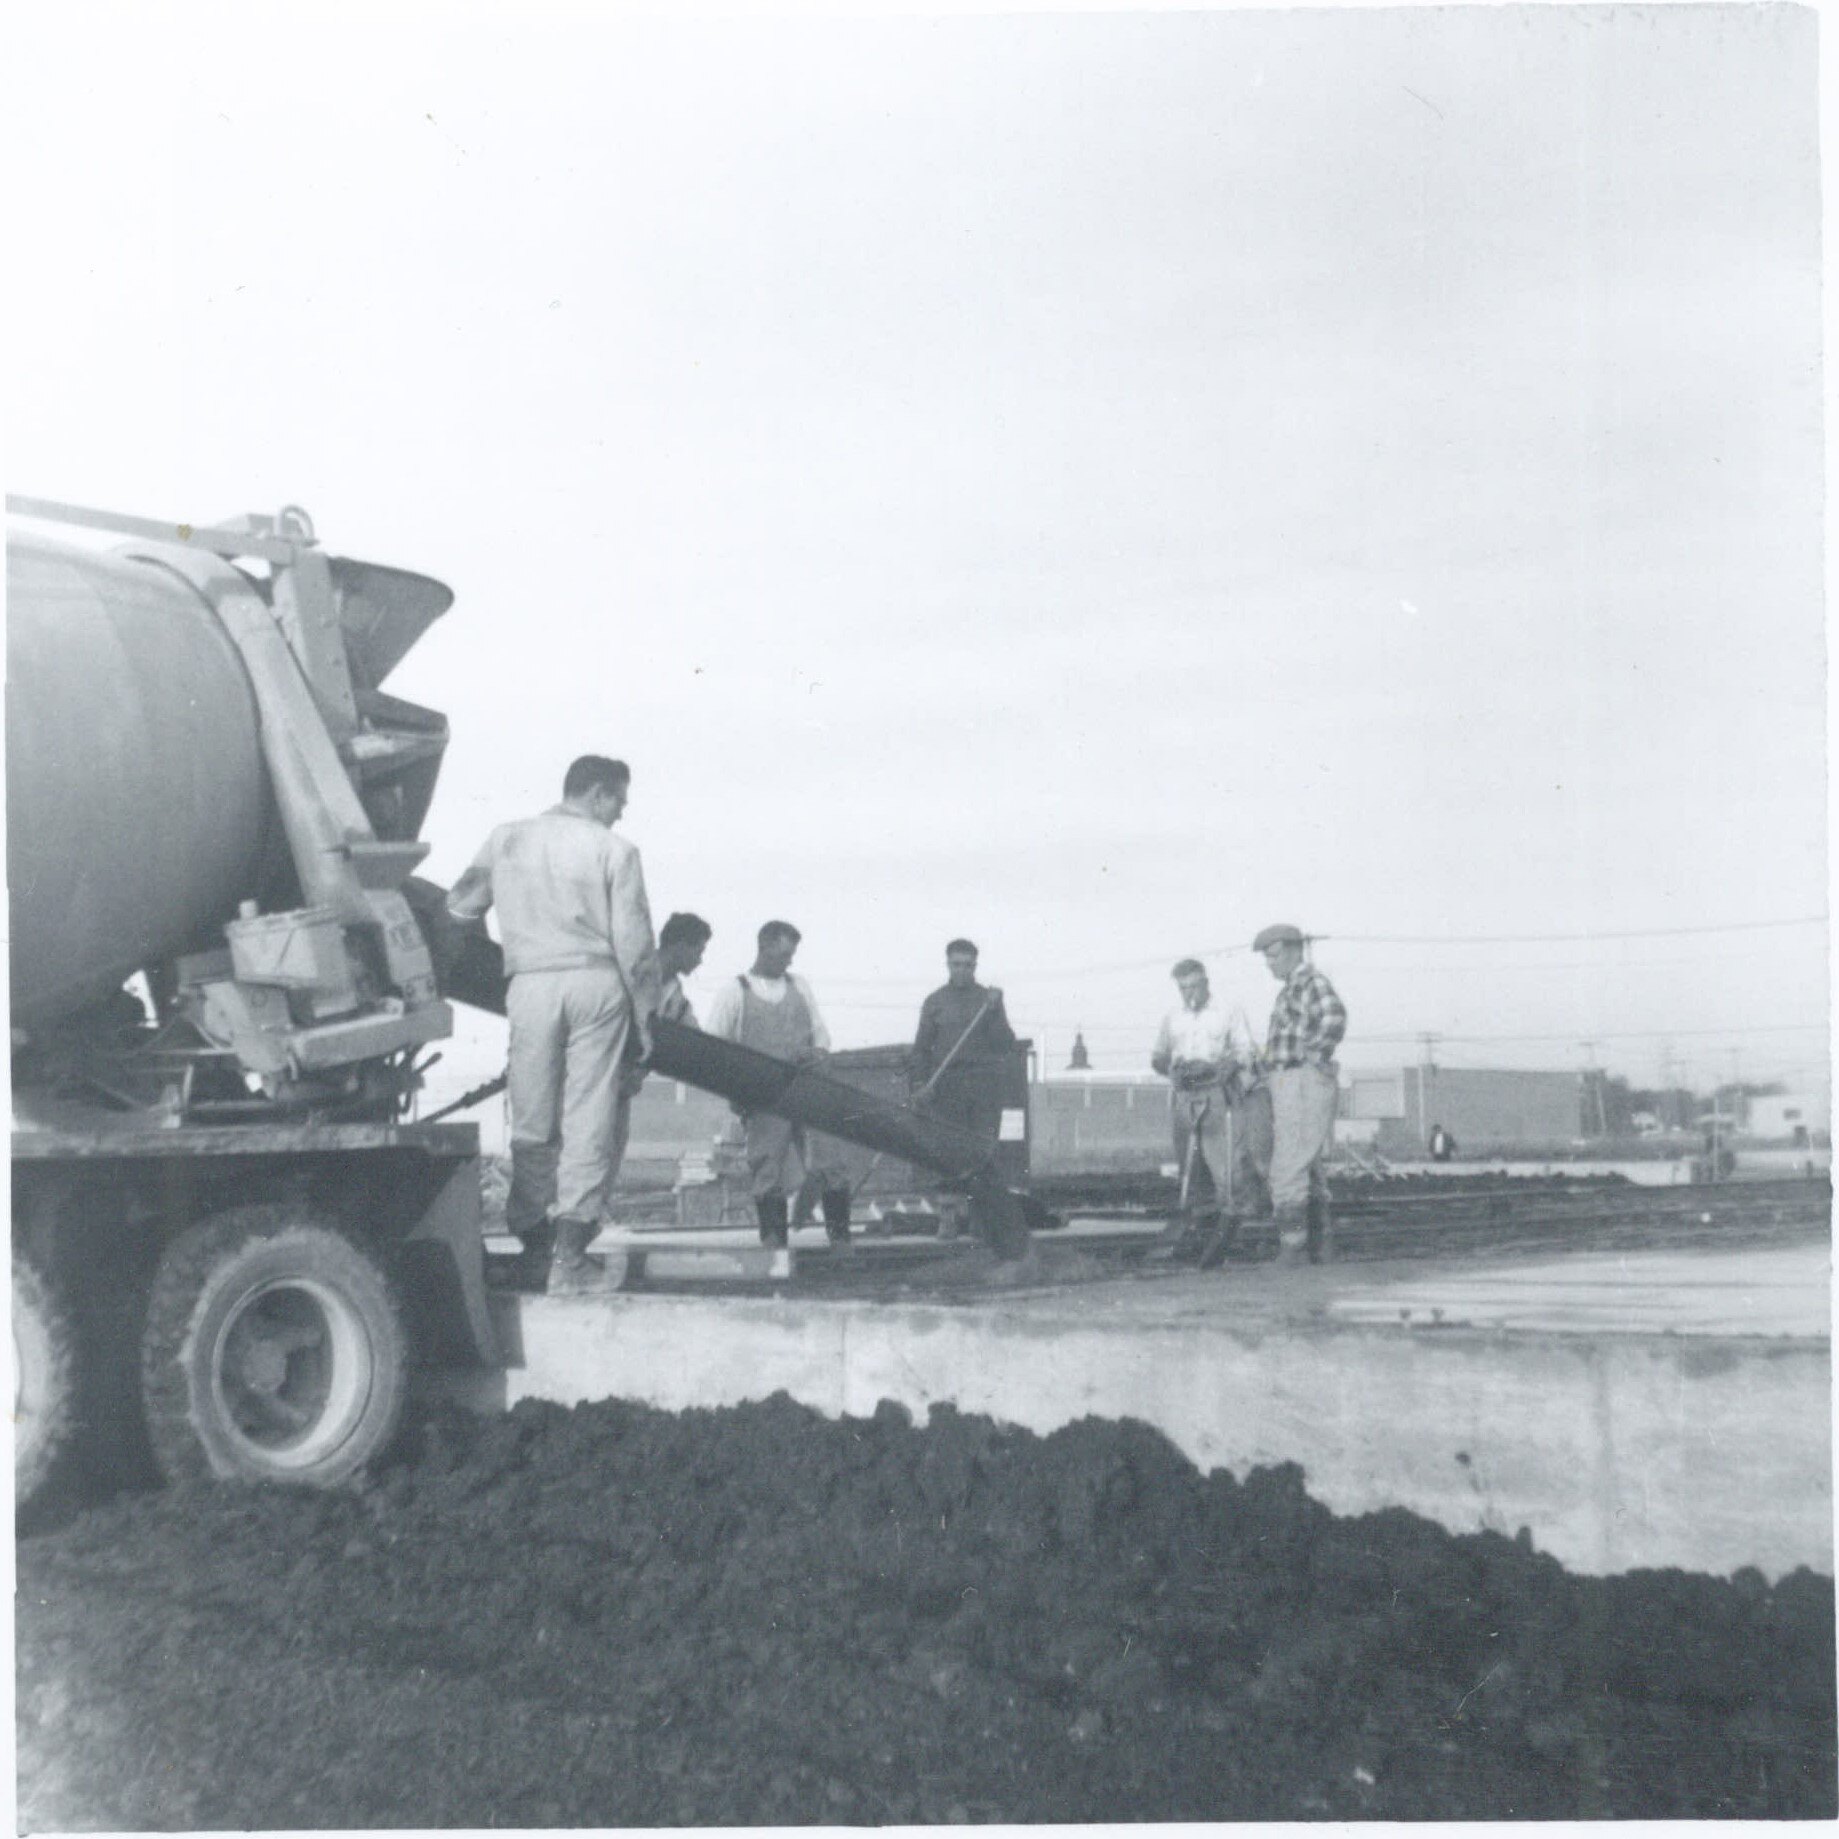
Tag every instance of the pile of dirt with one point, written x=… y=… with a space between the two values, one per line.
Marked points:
x=615 y=1616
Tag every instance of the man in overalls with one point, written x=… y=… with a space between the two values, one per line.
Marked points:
x=773 y=1012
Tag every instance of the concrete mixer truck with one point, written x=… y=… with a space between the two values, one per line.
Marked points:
x=224 y=1227
x=225 y=981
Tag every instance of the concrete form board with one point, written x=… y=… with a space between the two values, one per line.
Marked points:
x=1614 y=1450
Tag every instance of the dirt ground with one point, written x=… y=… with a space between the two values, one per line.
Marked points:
x=614 y=1616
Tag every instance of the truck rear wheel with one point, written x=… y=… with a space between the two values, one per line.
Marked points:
x=44 y=1381
x=274 y=1351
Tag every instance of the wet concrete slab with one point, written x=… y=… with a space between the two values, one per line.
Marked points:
x=1620 y=1410
x=1766 y=1291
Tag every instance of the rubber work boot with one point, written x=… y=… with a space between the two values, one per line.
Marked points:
x=836 y=1217
x=571 y=1271
x=1320 y=1232
x=773 y=1214
x=1292 y=1237
x=539 y=1247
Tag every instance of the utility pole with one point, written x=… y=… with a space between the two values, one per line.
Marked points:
x=1593 y=1084
x=1427 y=1066
x=1667 y=1085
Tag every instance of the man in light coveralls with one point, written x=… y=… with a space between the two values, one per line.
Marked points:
x=582 y=963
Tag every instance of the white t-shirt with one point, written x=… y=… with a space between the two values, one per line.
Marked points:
x=724 y=1018
x=1213 y=1033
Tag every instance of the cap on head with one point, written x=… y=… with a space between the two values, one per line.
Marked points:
x=1277 y=935
x=1189 y=967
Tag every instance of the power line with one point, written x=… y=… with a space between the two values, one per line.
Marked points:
x=1632 y=1034
x=1568 y=938
x=1132 y=1031
x=1374 y=938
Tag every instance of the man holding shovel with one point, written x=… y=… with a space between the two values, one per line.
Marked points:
x=960 y=1053
x=1221 y=1113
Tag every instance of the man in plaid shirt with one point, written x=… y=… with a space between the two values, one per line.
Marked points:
x=1307 y=1023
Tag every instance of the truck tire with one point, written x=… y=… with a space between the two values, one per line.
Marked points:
x=44 y=1382
x=274 y=1351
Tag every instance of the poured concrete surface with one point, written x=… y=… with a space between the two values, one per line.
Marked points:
x=1629 y=1410
x=1778 y=1290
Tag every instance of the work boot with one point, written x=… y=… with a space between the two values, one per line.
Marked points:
x=1320 y=1231
x=773 y=1214
x=571 y=1271
x=1292 y=1237
x=836 y=1216
x=538 y=1248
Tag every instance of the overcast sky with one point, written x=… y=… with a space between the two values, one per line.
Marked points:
x=1094 y=483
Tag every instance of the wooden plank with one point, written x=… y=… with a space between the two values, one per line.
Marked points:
x=710 y=1264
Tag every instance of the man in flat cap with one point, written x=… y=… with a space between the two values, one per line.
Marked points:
x=1307 y=1023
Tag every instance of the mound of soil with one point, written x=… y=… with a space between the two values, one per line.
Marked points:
x=614 y=1616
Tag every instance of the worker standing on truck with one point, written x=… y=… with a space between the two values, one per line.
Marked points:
x=960 y=1055
x=773 y=1012
x=1307 y=1023
x=1221 y=1112
x=682 y=940
x=583 y=969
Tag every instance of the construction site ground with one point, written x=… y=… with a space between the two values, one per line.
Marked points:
x=1450 y=1220
x=765 y=1613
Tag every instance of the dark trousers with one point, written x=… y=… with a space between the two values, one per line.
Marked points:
x=971 y=1098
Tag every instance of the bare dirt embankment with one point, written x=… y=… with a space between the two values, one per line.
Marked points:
x=615 y=1616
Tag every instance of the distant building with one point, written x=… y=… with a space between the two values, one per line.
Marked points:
x=1095 y=1122
x=1081 y=1061
x=669 y=1121
x=1485 y=1110
x=1797 y=1118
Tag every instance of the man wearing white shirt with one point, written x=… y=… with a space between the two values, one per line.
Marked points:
x=582 y=963
x=1222 y=1114
x=773 y=1012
